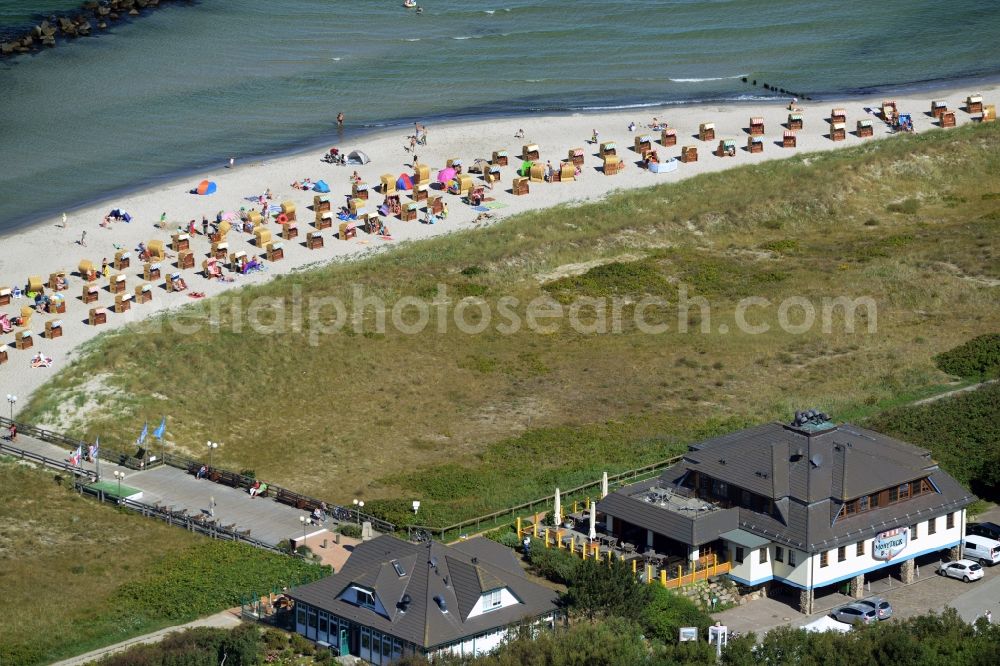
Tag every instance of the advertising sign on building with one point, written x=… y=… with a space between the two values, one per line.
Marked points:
x=888 y=545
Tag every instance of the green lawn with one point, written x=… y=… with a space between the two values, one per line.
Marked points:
x=77 y=575
x=468 y=423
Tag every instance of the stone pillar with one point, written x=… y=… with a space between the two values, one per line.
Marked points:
x=858 y=586
x=955 y=553
x=806 y=602
x=649 y=538
x=906 y=572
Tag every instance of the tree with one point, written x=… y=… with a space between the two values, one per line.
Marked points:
x=666 y=612
x=600 y=589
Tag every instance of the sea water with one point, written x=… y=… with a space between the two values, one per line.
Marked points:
x=192 y=84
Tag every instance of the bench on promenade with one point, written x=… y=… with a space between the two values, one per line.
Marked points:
x=298 y=501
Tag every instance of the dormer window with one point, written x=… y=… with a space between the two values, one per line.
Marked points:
x=364 y=598
x=492 y=600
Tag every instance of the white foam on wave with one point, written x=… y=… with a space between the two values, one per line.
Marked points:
x=335 y=59
x=412 y=39
x=469 y=37
x=709 y=78
x=489 y=11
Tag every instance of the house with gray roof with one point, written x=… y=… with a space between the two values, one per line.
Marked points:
x=394 y=598
x=808 y=505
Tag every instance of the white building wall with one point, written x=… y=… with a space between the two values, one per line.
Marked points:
x=855 y=565
x=506 y=599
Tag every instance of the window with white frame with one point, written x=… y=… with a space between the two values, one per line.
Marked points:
x=492 y=600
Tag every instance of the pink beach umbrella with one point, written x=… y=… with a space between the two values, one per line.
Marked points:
x=445 y=175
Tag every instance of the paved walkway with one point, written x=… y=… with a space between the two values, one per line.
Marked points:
x=226 y=619
x=267 y=520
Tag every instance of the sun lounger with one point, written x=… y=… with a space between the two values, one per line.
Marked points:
x=520 y=185
x=314 y=240
x=220 y=250
x=180 y=242
x=454 y=163
x=420 y=192
x=5 y=295
x=275 y=251
x=3 y=356
x=173 y=282
x=838 y=116
x=123 y=260
x=91 y=292
x=529 y=151
x=537 y=173
x=974 y=104
x=24 y=340
x=323 y=220
x=117 y=283
x=464 y=184
x=435 y=204
x=288 y=211
x=612 y=165
x=123 y=302
x=53 y=329
x=566 y=172
x=387 y=184
x=320 y=203
x=289 y=230
x=689 y=154
x=421 y=174
x=151 y=271
x=938 y=107
x=57 y=281
x=788 y=139
x=756 y=126
x=237 y=260
x=643 y=143
x=86 y=270
x=706 y=131
x=576 y=156
x=98 y=316
x=755 y=144
x=58 y=304
x=144 y=293
x=727 y=148
x=500 y=158
x=185 y=259
x=156 y=250
x=989 y=114
x=794 y=121
x=26 y=313
x=408 y=213
x=347 y=230
x=865 y=128
x=607 y=148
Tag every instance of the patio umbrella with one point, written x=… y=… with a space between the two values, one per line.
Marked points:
x=557 y=513
x=604 y=485
x=444 y=175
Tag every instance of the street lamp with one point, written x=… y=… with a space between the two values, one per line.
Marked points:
x=360 y=504
x=119 y=476
x=212 y=446
x=11 y=399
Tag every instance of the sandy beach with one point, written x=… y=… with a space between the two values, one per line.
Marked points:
x=49 y=247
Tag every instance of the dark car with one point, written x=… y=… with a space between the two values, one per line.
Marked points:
x=855 y=614
x=988 y=530
x=882 y=608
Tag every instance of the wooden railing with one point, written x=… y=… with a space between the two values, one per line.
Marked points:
x=73 y=470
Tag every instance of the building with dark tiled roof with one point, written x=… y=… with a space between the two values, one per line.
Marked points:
x=810 y=505
x=394 y=598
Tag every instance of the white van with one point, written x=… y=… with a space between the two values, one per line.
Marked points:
x=983 y=550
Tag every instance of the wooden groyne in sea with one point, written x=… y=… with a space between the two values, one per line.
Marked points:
x=91 y=16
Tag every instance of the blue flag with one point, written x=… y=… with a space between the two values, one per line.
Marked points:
x=143 y=435
x=158 y=433
x=95 y=449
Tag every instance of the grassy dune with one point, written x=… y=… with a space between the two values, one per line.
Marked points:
x=469 y=423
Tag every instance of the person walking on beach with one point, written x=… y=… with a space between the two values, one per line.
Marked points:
x=65 y=221
x=83 y=238
x=163 y=220
x=232 y=162
x=204 y=225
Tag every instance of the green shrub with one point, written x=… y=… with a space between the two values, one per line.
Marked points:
x=350 y=530
x=666 y=612
x=302 y=645
x=510 y=539
x=555 y=564
x=976 y=360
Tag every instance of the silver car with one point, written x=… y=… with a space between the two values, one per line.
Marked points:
x=882 y=608
x=855 y=614
x=966 y=570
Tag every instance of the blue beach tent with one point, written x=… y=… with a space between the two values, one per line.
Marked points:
x=321 y=186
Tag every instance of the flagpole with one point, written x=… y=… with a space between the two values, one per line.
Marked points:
x=97 y=455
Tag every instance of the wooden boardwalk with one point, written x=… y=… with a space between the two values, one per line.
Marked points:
x=176 y=490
